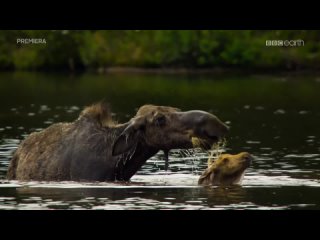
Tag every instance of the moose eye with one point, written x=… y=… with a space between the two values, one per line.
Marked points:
x=225 y=160
x=161 y=120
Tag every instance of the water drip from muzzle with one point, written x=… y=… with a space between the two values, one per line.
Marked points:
x=216 y=150
x=166 y=159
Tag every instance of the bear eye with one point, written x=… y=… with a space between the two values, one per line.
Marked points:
x=160 y=120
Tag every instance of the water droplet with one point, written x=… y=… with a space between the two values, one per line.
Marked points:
x=253 y=142
x=280 y=111
x=259 y=108
x=303 y=112
x=44 y=108
x=74 y=108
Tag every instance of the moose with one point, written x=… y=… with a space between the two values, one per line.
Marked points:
x=96 y=148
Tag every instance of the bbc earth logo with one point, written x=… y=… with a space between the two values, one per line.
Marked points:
x=285 y=43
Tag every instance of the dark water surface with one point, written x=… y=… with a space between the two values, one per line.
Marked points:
x=276 y=118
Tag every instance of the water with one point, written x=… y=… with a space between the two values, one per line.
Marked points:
x=275 y=118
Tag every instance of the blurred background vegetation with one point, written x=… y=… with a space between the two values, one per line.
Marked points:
x=100 y=49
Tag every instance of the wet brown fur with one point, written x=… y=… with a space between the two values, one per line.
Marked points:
x=54 y=137
x=101 y=112
x=226 y=170
x=96 y=148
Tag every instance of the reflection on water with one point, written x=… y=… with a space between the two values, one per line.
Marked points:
x=276 y=121
x=132 y=196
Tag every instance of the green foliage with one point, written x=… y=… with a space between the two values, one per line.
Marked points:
x=74 y=49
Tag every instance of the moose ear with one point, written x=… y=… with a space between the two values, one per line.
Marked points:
x=128 y=138
x=207 y=176
x=210 y=161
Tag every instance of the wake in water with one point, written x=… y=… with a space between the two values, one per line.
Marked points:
x=173 y=180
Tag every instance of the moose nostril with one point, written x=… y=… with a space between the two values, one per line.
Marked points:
x=248 y=158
